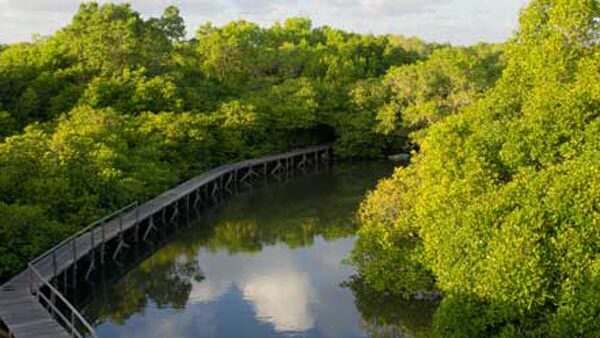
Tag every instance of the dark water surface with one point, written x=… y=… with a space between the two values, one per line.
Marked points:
x=264 y=264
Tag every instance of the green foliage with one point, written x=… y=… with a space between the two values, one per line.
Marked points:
x=292 y=104
x=388 y=247
x=7 y=124
x=229 y=53
x=32 y=84
x=355 y=122
x=133 y=92
x=239 y=127
x=429 y=90
x=110 y=38
x=24 y=230
x=115 y=107
x=501 y=203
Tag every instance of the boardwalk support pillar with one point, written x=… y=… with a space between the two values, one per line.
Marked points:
x=173 y=219
x=151 y=227
x=122 y=243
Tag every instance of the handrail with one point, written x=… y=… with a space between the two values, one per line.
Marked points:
x=74 y=313
x=84 y=230
x=34 y=272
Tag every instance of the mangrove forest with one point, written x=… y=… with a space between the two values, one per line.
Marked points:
x=460 y=196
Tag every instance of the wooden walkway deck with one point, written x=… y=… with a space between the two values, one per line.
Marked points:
x=24 y=316
x=31 y=306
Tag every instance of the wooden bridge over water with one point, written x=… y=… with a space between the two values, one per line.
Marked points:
x=31 y=304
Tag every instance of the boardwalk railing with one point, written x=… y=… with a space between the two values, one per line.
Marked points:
x=57 y=305
x=72 y=320
x=95 y=232
x=88 y=229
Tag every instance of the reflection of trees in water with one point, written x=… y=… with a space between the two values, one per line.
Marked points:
x=292 y=213
x=164 y=279
x=250 y=235
x=387 y=316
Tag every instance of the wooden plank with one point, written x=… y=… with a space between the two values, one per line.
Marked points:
x=25 y=317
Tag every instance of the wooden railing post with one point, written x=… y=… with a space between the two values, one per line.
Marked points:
x=54 y=263
x=121 y=226
x=197 y=199
x=221 y=187
x=74 y=241
x=137 y=225
x=102 y=245
x=73 y=323
x=92 y=242
x=30 y=280
x=187 y=209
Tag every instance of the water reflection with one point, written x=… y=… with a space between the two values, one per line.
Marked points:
x=271 y=281
x=261 y=265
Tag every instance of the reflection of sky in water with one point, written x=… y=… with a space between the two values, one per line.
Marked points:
x=277 y=291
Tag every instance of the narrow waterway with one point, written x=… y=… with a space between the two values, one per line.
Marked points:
x=264 y=264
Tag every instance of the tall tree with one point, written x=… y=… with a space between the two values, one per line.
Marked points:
x=172 y=23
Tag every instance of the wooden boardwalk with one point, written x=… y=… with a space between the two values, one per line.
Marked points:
x=31 y=305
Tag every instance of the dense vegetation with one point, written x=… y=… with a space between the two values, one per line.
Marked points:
x=500 y=208
x=115 y=108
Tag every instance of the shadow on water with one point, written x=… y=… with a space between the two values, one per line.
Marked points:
x=261 y=264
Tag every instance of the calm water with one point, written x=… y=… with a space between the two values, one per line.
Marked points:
x=266 y=264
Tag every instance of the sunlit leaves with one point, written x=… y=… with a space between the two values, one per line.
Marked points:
x=426 y=92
